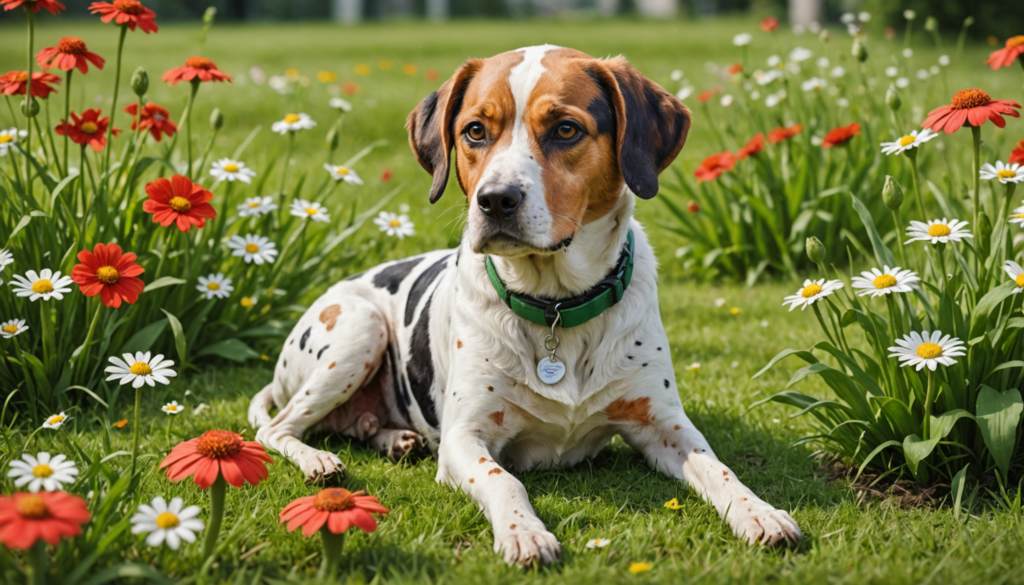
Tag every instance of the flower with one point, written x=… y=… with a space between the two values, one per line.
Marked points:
x=705 y=96
x=52 y=6
x=143 y=369
x=713 y=166
x=673 y=504
x=194 y=68
x=307 y=210
x=9 y=329
x=742 y=39
x=44 y=285
x=693 y=207
x=167 y=523
x=339 y=173
x=1016 y=155
x=1016 y=275
x=15 y=83
x=395 y=225
x=126 y=12
x=339 y=104
x=694 y=366
x=812 y=290
x=7 y=140
x=42 y=472
x=70 y=53
x=107 y=272
x=937 y=231
x=256 y=206
x=780 y=133
x=924 y=349
x=88 y=129
x=385 y=176
x=734 y=311
x=882 y=282
x=154 y=118
x=1006 y=56
x=253 y=248
x=120 y=424
x=800 y=54
x=56 y=421
x=726 y=100
x=230 y=170
x=915 y=138
x=598 y=543
x=350 y=88
x=293 y=123
x=813 y=84
x=178 y=201
x=970 y=107
x=840 y=136
x=249 y=302
x=27 y=518
x=769 y=24
x=336 y=508
x=215 y=285
x=755 y=146
x=217 y=453
x=1003 y=172
x=172 y=407
x=637 y=568
x=734 y=69
x=408 y=69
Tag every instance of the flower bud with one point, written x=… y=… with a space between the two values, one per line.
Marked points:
x=30 y=107
x=824 y=36
x=984 y=225
x=931 y=24
x=216 y=119
x=332 y=139
x=860 y=50
x=209 y=15
x=815 y=250
x=892 y=97
x=968 y=21
x=140 y=82
x=892 y=194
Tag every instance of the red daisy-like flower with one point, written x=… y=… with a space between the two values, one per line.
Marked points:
x=218 y=453
x=27 y=518
x=386 y=175
x=89 y=129
x=755 y=146
x=335 y=509
x=154 y=118
x=840 y=136
x=734 y=68
x=107 y=272
x=1007 y=55
x=178 y=201
x=970 y=107
x=769 y=24
x=1017 y=155
x=705 y=95
x=15 y=83
x=350 y=88
x=714 y=165
x=779 y=134
x=52 y=6
x=693 y=207
x=199 y=68
x=126 y=12
x=69 y=53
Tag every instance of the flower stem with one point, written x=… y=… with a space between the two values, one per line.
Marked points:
x=333 y=544
x=217 y=492
x=1008 y=240
x=287 y=161
x=188 y=124
x=138 y=427
x=113 y=106
x=28 y=104
x=67 y=118
x=83 y=359
x=899 y=236
x=36 y=558
x=976 y=167
x=929 y=398
x=912 y=155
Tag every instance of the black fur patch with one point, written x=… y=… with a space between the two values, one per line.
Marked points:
x=421 y=365
x=391 y=277
x=404 y=399
x=419 y=288
x=321 y=352
x=304 y=338
x=601 y=108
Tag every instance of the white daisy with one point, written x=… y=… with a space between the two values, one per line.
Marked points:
x=307 y=210
x=800 y=54
x=43 y=285
x=944 y=60
x=167 y=523
x=1005 y=173
x=1016 y=274
x=813 y=84
x=8 y=138
x=908 y=53
x=9 y=329
x=812 y=290
x=837 y=71
x=395 y=225
x=742 y=39
x=56 y=421
x=915 y=138
x=293 y=123
x=726 y=100
x=6 y=259
x=215 y=285
x=256 y=206
x=684 y=92
x=172 y=407
x=339 y=104
x=340 y=173
x=253 y=248
x=694 y=366
x=882 y=282
x=848 y=18
x=230 y=170
x=937 y=231
x=598 y=543
x=924 y=349
x=902 y=82
x=892 y=71
x=42 y=472
x=1018 y=216
x=140 y=369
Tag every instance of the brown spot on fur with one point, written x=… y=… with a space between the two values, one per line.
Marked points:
x=725 y=473
x=498 y=417
x=666 y=443
x=694 y=450
x=513 y=527
x=494 y=471
x=483 y=460
x=329 y=316
x=490 y=388
x=634 y=411
x=677 y=427
x=367 y=366
x=331 y=367
x=458 y=343
x=471 y=480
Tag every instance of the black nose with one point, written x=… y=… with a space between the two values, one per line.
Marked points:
x=499 y=202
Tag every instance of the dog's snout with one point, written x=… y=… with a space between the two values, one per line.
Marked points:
x=499 y=202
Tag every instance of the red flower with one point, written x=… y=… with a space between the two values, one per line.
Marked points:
x=178 y=201
x=692 y=207
x=779 y=134
x=735 y=68
x=15 y=82
x=432 y=75
x=216 y=453
x=336 y=508
x=1017 y=156
x=386 y=175
x=107 y=272
x=126 y=12
x=755 y=146
x=50 y=516
x=69 y=53
x=970 y=107
x=713 y=166
x=350 y=88
x=51 y=5
x=769 y=24
x=154 y=118
x=199 y=68
x=1006 y=56
x=840 y=136
x=705 y=95
x=89 y=129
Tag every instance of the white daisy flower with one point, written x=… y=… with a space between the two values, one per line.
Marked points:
x=684 y=92
x=339 y=104
x=1018 y=216
x=9 y=329
x=848 y=18
x=892 y=71
x=1005 y=173
x=44 y=285
x=598 y=543
x=837 y=71
x=823 y=62
x=676 y=75
x=742 y=39
x=924 y=349
x=56 y=421
x=293 y=123
x=812 y=290
x=253 y=248
x=394 y=224
x=8 y=138
x=42 y=472
x=215 y=286
x=140 y=369
x=902 y=82
x=800 y=54
x=922 y=74
x=813 y=84
x=167 y=523
x=230 y=170
x=1016 y=274
x=909 y=14
x=726 y=100
x=908 y=53
x=944 y=60
x=882 y=282
x=694 y=366
x=937 y=231
x=256 y=206
x=719 y=302
x=340 y=173
x=6 y=259
x=864 y=16
x=172 y=407
x=915 y=138
x=307 y=210
x=774 y=61
x=843 y=103
x=279 y=83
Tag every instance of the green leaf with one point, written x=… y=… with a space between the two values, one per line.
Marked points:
x=127 y=571
x=959 y=481
x=179 y=335
x=882 y=254
x=801 y=353
x=162 y=282
x=1006 y=366
x=998 y=417
x=232 y=349
x=21 y=225
x=876 y=451
x=915 y=450
x=144 y=338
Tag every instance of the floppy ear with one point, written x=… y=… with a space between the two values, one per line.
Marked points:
x=651 y=124
x=431 y=135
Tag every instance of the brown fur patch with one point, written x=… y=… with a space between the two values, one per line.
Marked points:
x=498 y=417
x=494 y=471
x=482 y=460
x=329 y=316
x=513 y=527
x=458 y=343
x=635 y=411
x=331 y=367
x=677 y=427
x=471 y=480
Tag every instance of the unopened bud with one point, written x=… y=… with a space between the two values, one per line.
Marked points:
x=332 y=139
x=30 y=107
x=892 y=194
x=216 y=119
x=140 y=82
x=892 y=97
x=860 y=50
x=824 y=36
x=209 y=15
x=931 y=24
x=984 y=225
x=815 y=250
x=968 y=21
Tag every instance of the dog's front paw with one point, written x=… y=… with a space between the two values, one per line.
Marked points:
x=758 y=522
x=319 y=465
x=404 y=443
x=526 y=542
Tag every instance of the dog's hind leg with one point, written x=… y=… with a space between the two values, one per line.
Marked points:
x=397 y=443
x=259 y=408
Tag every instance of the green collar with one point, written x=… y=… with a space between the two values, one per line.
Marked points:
x=575 y=310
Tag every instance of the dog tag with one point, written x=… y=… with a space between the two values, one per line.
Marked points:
x=550 y=372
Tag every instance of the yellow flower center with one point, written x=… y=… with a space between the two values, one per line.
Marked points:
x=32 y=507
x=938 y=230
x=970 y=98
x=10 y=329
x=341 y=170
x=292 y=73
x=1019 y=280
x=1018 y=216
x=42 y=287
x=291 y=118
x=1007 y=174
x=231 y=168
x=89 y=127
x=1014 y=42
x=5 y=138
x=311 y=210
x=907 y=140
x=735 y=310
x=108 y=275
x=42 y=470
x=200 y=63
x=55 y=419
x=247 y=302
x=252 y=248
x=213 y=286
x=219 y=444
x=333 y=500
x=171 y=408
x=167 y=520
x=929 y=350
x=180 y=204
x=254 y=204
x=395 y=223
x=885 y=281
x=810 y=290
x=140 y=369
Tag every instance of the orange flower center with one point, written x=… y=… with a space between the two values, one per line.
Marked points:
x=22 y=76
x=966 y=99
x=32 y=507
x=71 y=46
x=218 y=444
x=252 y=248
x=333 y=500
x=1014 y=42
x=167 y=520
x=810 y=290
x=200 y=63
x=180 y=204
x=108 y=275
x=938 y=230
x=129 y=6
x=89 y=127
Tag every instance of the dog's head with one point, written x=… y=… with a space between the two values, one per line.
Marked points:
x=545 y=138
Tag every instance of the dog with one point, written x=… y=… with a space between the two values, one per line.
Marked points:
x=539 y=338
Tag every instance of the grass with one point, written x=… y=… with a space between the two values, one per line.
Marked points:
x=433 y=534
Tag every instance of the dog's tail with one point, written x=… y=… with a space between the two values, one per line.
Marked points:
x=259 y=408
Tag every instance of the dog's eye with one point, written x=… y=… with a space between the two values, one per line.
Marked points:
x=566 y=131
x=476 y=131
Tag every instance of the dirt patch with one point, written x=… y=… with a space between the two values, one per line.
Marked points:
x=892 y=490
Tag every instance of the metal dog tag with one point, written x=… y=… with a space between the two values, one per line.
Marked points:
x=550 y=371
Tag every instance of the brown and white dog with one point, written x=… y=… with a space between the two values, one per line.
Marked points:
x=551 y=146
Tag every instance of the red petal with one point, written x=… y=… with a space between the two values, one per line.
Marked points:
x=362 y=519
x=207 y=474
x=295 y=508
x=314 y=522
x=232 y=474
x=338 y=523
x=300 y=518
